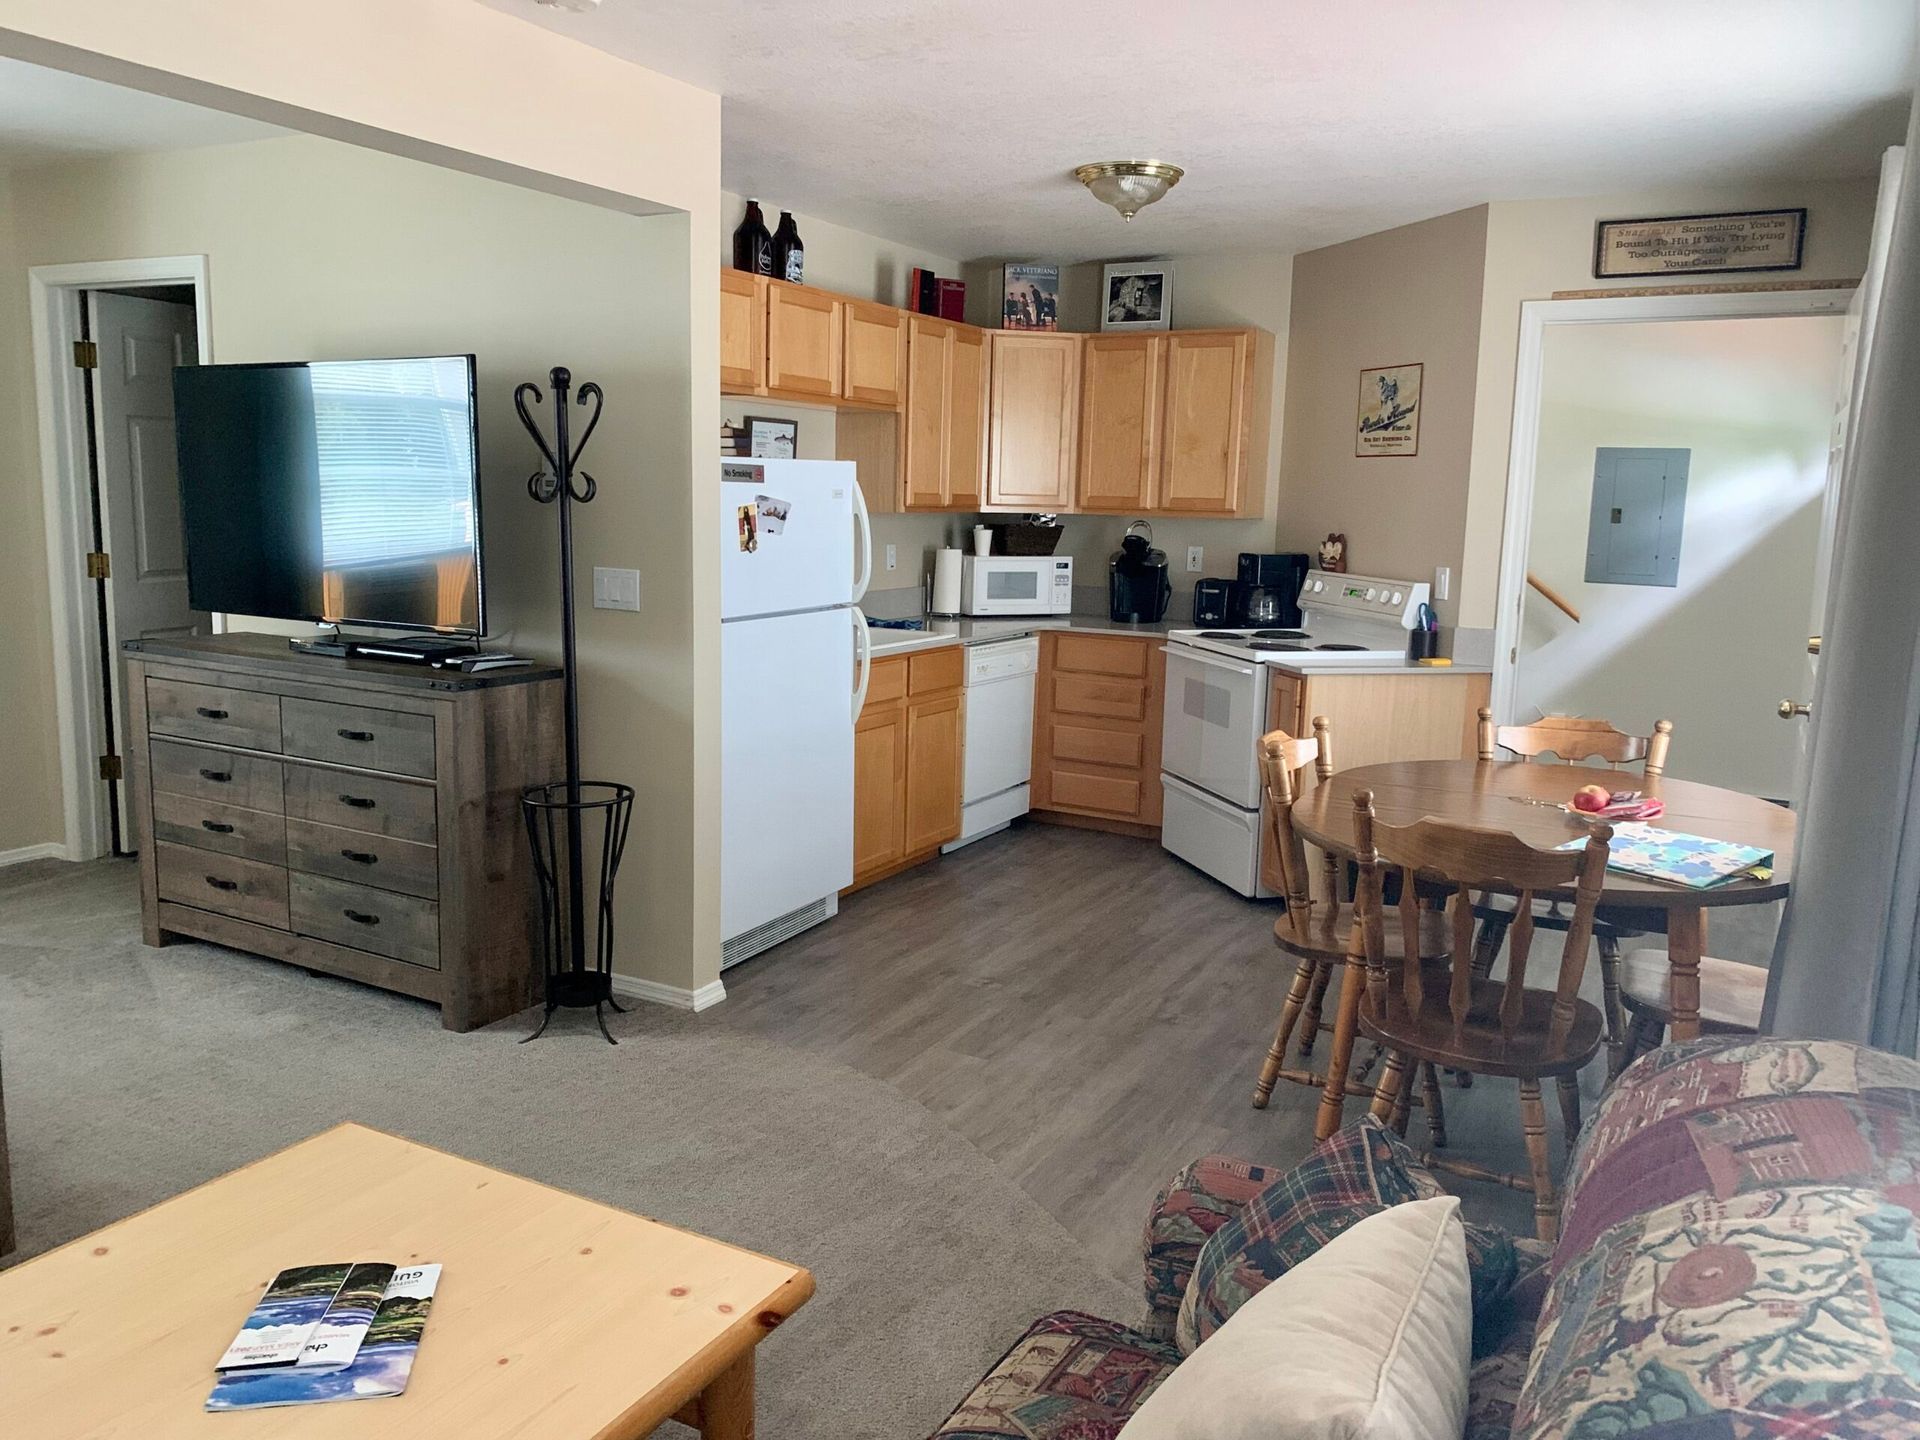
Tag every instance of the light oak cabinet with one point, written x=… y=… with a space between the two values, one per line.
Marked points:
x=1033 y=421
x=874 y=353
x=907 y=749
x=793 y=342
x=743 y=333
x=943 y=431
x=804 y=341
x=1122 y=384
x=1096 y=732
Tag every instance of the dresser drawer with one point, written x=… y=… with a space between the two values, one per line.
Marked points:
x=214 y=825
x=361 y=802
x=377 y=860
x=246 y=889
x=213 y=712
x=401 y=927
x=392 y=740
x=249 y=781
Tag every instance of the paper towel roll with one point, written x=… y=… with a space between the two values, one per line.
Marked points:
x=946 y=582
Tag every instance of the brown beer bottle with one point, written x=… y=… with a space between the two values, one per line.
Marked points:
x=789 y=254
x=752 y=244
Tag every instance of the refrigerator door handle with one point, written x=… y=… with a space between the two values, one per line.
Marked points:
x=862 y=547
x=863 y=648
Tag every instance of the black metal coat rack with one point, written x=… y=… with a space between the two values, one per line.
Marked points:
x=570 y=980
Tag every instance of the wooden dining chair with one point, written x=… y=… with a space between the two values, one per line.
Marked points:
x=1731 y=998
x=1475 y=1024
x=1574 y=740
x=1316 y=930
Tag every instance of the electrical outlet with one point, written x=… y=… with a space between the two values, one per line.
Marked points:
x=1196 y=559
x=615 y=589
x=893 y=558
x=1442 y=581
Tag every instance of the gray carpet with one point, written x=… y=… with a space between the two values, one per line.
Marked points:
x=132 y=1074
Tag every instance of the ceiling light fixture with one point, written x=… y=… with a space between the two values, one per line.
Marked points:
x=579 y=7
x=1129 y=185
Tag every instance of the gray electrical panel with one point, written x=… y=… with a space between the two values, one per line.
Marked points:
x=1639 y=516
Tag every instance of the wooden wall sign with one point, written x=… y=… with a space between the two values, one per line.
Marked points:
x=1700 y=244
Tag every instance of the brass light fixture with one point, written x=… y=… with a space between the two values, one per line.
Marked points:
x=1129 y=185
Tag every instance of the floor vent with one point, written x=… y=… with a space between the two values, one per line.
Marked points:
x=749 y=943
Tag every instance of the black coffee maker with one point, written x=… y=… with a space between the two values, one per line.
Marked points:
x=1266 y=592
x=1138 y=586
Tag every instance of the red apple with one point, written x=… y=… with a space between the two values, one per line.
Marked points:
x=1592 y=798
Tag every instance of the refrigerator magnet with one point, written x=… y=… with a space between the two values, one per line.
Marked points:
x=749 y=529
x=772 y=514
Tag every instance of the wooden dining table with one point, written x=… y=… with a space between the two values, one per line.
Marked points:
x=1525 y=798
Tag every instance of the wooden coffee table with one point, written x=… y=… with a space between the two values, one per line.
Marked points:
x=554 y=1316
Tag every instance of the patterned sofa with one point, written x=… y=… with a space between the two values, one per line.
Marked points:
x=1738 y=1258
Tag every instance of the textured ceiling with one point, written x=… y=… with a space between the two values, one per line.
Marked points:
x=1301 y=123
x=49 y=115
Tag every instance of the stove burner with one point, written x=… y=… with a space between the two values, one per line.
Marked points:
x=1333 y=646
x=1275 y=645
x=1221 y=635
x=1279 y=634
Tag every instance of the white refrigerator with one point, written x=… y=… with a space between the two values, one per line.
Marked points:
x=795 y=558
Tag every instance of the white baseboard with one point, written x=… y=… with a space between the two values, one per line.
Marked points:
x=678 y=997
x=48 y=850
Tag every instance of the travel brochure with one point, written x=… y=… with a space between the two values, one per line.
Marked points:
x=327 y=1332
x=1691 y=860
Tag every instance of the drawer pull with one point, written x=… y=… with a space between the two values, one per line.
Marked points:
x=358 y=802
x=217 y=883
x=360 y=735
x=360 y=917
x=218 y=777
x=218 y=827
x=208 y=713
x=360 y=857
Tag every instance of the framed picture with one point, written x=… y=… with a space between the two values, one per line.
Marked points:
x=1137 y=296
x=1030 y=297
x=1700 y=244
x=771 y=438
x=1389 y=411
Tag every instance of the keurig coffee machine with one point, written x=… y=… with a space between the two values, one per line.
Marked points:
x=1138 y=585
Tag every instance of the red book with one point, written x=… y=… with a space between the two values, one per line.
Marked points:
x=953 y=299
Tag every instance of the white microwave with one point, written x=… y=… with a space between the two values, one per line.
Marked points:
x=1016 y=585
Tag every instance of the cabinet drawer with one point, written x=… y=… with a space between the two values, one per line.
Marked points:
x=213 y=825
x=361 y=802
x=1115 y=795
x=214 y=712
x=401 y=927
x=943 y=669
x=1100 y=655
x=248 y=781
x=888 y=680
x=1124 y=748
x=377 y=860
x=246 y=889
x=1091 y=695
x=391 y=740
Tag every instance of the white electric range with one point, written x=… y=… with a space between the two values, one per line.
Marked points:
x=1216 y=709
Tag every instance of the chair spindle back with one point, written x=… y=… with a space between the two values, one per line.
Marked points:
x=1281 y=758
x=1575 y=739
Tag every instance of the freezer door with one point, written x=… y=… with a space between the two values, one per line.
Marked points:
x=787 y=536
x=786 y=758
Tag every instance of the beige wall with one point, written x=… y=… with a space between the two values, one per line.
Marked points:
x=1535 y=247
x=1404 y=295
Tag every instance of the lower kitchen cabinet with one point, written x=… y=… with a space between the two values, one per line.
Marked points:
x=907 y=749
x=1096 y=731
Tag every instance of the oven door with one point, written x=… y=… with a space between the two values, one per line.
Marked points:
x=1215 y=714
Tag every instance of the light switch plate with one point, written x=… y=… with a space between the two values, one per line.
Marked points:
x=1442 y=581
x=615 y=589
x=893 y=558
x=1196 y=559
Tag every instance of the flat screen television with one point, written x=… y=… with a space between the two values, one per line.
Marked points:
x=336 y=491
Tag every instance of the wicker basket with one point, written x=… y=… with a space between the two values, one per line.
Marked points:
x=1024 y=538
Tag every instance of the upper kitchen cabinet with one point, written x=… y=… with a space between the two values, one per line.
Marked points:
x=1214 y=418
x=1033 y=420
x=743 y=333
x=943 y=433
x=804 y=341
x=874 y=346
x=1122 y=386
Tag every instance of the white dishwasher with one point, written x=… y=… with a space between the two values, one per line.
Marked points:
x=999 y=737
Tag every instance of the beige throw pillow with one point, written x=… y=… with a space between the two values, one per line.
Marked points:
x=1370 y=1337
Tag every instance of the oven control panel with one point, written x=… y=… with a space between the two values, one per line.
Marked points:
x=1368 y=597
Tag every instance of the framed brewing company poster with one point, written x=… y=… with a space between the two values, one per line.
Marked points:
x=1389 y=411
x=1700 y=244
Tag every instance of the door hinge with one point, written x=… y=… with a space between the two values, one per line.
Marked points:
x=86 y=355
x=99 y=566
x=110 y=767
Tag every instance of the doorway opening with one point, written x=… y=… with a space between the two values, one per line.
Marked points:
x=107 y=337
x=1665 y=520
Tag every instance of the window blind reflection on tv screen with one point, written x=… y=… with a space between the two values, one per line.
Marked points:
x=337 y=491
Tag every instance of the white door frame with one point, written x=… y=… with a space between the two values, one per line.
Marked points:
x=54 y=296
x=1523 y=451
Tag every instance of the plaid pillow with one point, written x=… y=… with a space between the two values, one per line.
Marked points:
x=1362 y=1169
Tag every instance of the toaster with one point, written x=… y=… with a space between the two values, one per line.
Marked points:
x=1210 y=600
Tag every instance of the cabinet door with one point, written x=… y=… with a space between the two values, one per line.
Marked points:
x=1034 y=413
x=803 y=340
x=966 y=418
x=1122 y=379
x=879 y=787
x=743 y=332
x=874 y=347
x=1204 y=444
x=933 y=771
x=923 y=428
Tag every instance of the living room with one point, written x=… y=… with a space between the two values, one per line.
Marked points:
x=947 y=1108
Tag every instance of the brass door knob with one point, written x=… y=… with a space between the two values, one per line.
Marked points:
x=1790 y=710
x=1813 y=645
